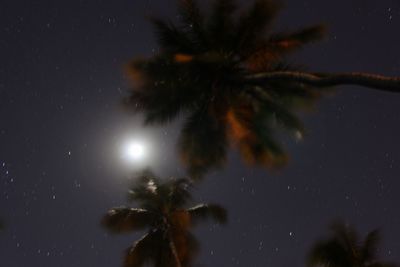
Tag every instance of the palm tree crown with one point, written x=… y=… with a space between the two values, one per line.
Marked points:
x=228 y=76
x=168 y=242
x=345 y=249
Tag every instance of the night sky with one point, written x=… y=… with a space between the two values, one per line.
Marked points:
x=61 y=130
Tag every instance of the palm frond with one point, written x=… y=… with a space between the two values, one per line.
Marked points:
x=193 y=22
x=164 y=91
x=329 y=253
x=370 y=246
x=171 y=39
x=202 y=143
x=270 y=108
x=180 y=193
x=152 y=193
x=143 y=251
x=253 y=25
x=277 y=46
x=284 y=117
x=221 y=25
x=208 y=211
x=143 y=191
x=282 y=43
x=122 y=219
x=346 y=235
x=252 y=132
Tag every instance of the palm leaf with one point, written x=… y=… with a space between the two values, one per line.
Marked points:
x=164 y=93
x=329 y=253
x=253 y=24
x=272 y=108
x=208 y=211
x=171 y=39
x=202 y=143
x=145 y=250
x=278 y=45
x=221 y=25
x=251 y=131
x=347 y=236
x=120 y=220
x=282 y=43
x=179 y=192
x=143 y=191
x=294 y=95
x=370 y=246
x=193 y=22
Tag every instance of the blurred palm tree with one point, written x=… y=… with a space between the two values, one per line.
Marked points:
x=163 y=213
x=228 y=76
x=345 y=249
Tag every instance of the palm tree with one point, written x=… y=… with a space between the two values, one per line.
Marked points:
x=345 y=249
x=162 y=212
x=229 y=78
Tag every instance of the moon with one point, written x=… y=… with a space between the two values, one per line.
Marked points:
x=134 y=151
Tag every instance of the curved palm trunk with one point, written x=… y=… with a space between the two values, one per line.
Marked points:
x=374 y=81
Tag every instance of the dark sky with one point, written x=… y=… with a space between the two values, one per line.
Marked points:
x=61 y=128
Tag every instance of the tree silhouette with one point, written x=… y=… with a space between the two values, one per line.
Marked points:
x=345 y=249
x=228 y=76
x=168 y=242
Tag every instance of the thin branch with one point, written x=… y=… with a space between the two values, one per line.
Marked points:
x=374 y=81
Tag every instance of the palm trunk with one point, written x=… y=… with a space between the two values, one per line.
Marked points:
x=374 y=81
x=172 y=246
x=173 y=249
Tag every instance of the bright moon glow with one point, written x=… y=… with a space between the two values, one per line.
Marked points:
x=134 y=152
